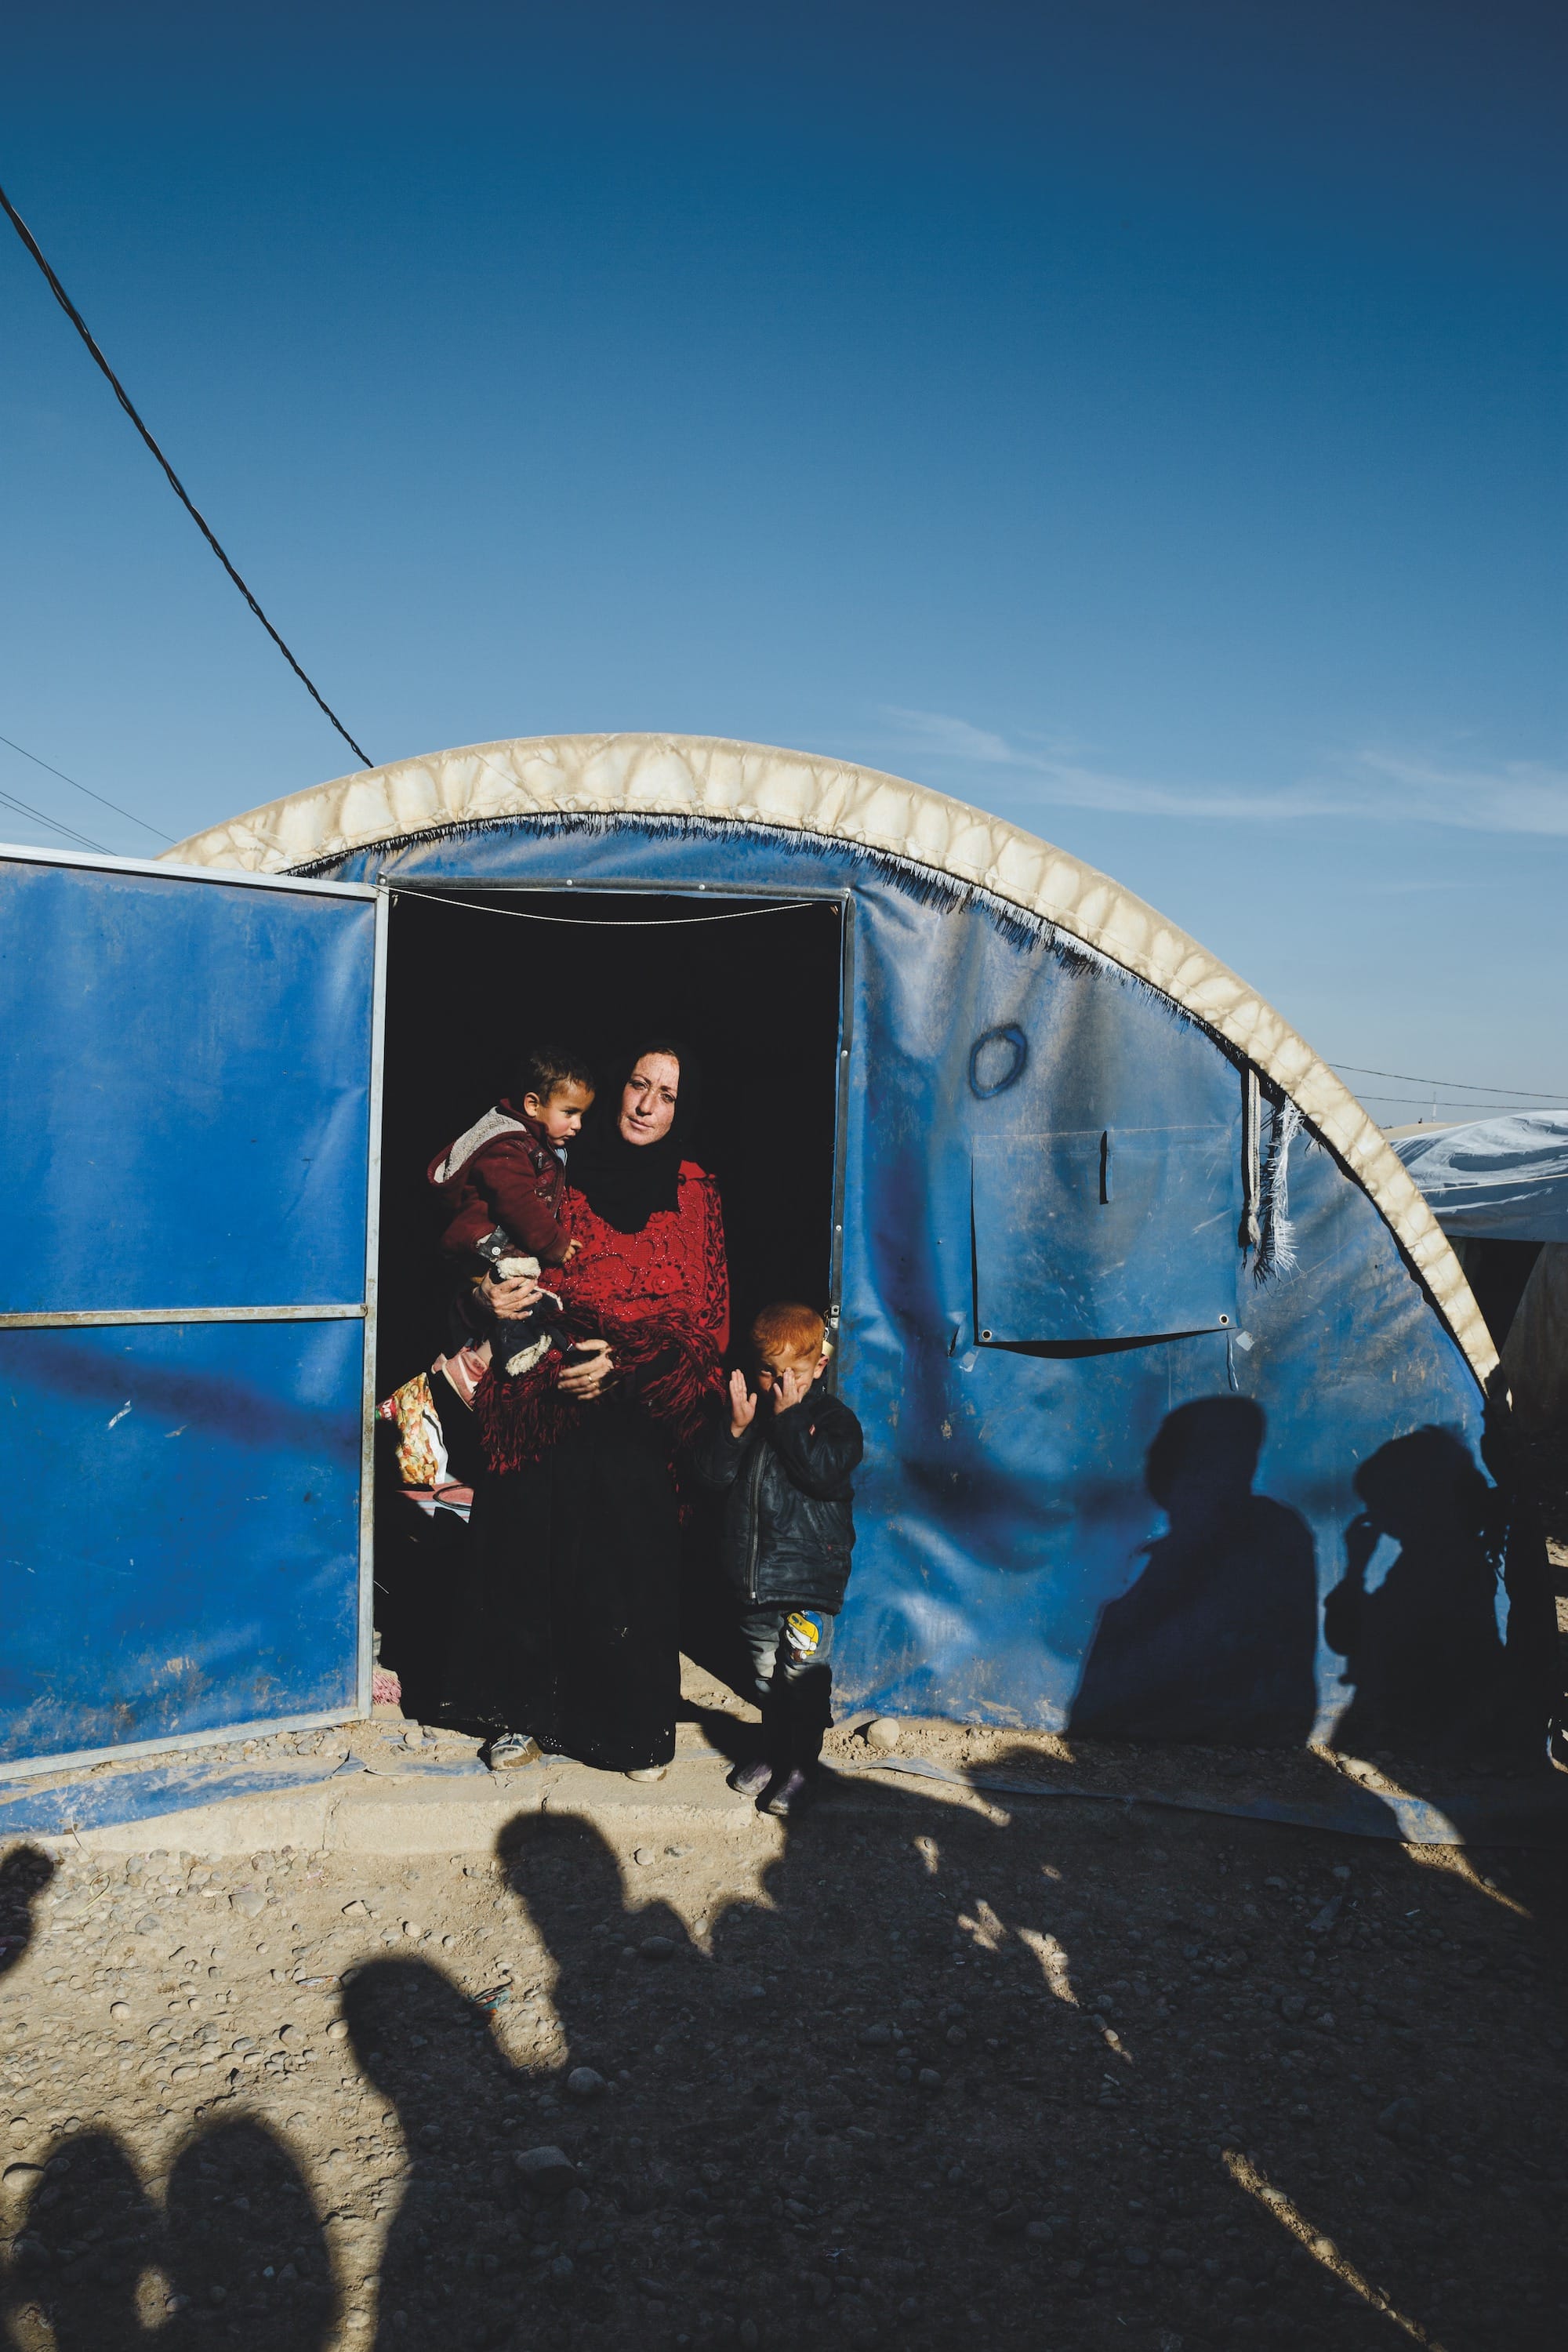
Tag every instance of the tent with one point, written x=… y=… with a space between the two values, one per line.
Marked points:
x=1138 y=1309
x=1495 y=1179
x=1499 y=1187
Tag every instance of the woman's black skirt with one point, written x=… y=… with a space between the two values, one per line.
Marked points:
x=569 y=1627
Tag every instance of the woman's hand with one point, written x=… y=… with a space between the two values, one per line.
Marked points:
x=509 y=1300
x=743 y=1405
x=585 y=1380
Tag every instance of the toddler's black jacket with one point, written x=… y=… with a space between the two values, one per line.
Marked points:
x=788 y=1521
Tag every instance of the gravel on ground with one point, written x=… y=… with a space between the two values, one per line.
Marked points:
x=915 y=2071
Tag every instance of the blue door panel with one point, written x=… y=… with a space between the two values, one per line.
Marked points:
x=185 y=1107
x=180 y=1545
x=186 y=1083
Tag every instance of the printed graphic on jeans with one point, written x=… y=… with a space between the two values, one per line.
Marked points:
x=802 y=1633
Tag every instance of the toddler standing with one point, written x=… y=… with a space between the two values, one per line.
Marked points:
x=784 y=1467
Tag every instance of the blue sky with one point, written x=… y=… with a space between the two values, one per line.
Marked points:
x=1147 y=423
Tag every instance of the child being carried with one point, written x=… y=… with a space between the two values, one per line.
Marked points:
x=503 y=1180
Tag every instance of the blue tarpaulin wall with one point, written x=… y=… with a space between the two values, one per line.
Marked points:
x=1045 y=1258
x=185 y=1135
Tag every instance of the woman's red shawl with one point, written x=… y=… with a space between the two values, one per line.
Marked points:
x=660 y=1297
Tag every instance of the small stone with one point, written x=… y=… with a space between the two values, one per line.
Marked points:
x=875 y=2036
x=563 y=2267
x=749 y=2338
x=657 y=1948
x=1402 y=2121
x=884 y=1734
x=337 y=2030
x=355 y=1910
x=929 y=2079
x=21 y=2176
x=585 y=2083
x=645 y=1855
x=147 y=1926
x=413 y=1930
x=1293 y=2007
x=120 y=2009
x=249 y=1900
x=547 y=2169
x=1137 y=2257
x=1038 y=2232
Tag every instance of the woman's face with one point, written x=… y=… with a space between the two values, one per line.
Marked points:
x=647 y=1098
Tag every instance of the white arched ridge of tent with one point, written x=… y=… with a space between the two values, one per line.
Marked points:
x=711 y=780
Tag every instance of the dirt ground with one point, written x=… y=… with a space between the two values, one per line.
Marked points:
x=923 y=2070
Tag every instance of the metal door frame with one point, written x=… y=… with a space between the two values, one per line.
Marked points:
x=437 y=885
x=225 y=1735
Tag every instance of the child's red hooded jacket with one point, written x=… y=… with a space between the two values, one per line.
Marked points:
x=502 y=1171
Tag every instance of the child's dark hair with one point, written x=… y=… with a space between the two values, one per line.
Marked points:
x=543 y=1069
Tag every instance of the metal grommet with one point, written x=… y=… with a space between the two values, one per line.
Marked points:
x=1224 y=1319
x=985 y=1335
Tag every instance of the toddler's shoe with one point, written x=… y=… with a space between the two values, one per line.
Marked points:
x=794 y=1793
x=751 y=1779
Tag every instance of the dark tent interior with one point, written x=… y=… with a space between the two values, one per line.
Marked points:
x=752 y=986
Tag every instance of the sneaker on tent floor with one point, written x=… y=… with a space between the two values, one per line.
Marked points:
x=646 y=1773
x=513 y=1747
x=794 y=1793
x=751 y=1779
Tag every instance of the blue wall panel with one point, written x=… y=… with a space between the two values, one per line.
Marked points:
x=185 y=1116
x=181 y=1528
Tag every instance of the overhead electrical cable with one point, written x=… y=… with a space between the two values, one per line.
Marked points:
x=123 y=397
x=85 y=788
x=8 y=800
x=1447 y=1085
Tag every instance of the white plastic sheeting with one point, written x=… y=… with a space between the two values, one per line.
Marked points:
x=1503 y=1179
x=705 y=780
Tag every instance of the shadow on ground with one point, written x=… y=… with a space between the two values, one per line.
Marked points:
x=1085 y=2077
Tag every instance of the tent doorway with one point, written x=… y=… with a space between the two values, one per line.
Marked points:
x=754 y=985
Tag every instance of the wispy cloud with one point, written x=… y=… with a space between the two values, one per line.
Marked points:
x=1375 y=785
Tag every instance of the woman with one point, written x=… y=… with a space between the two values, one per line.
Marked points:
x=570 y=1635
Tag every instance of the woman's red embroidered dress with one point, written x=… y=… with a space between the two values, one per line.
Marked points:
x=660 y=1296
x=570 y=1628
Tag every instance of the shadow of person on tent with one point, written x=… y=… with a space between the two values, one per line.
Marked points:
x=1216 y=1640
x=1422 y=1648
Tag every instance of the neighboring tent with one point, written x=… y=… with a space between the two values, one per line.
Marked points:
x=1535 y=1353
x=1495 y=1179
x=1139 y=1312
